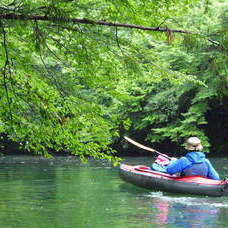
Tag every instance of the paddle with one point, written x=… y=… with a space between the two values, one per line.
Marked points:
x=146 y=148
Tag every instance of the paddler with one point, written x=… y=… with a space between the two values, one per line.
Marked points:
x=193 y=163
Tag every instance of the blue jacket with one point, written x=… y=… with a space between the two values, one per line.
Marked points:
x=188 y=161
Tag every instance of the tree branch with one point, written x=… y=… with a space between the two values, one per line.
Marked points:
x=12 y=16
x=6 y=69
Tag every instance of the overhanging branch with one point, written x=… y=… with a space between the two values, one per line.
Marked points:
x=87 y=21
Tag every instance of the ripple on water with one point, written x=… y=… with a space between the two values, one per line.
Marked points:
x=191 y=201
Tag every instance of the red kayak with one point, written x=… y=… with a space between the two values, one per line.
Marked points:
x=143 y=176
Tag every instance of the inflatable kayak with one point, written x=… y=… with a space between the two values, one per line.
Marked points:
x=143 y=176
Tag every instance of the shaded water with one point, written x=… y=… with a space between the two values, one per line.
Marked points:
x=61 y=192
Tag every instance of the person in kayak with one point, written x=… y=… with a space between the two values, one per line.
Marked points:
x=193 y=163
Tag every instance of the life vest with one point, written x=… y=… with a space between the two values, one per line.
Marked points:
x=200 y=169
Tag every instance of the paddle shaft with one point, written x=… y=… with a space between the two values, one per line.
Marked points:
x=146 y=148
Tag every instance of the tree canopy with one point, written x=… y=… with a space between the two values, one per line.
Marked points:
x=74 y=74
x=176 y=111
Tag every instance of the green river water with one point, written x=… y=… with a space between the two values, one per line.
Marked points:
x=62 y=192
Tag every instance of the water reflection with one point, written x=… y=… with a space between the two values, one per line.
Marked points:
x=161 y=218
x=61 y=192
x=186 y=211
x=176 y=210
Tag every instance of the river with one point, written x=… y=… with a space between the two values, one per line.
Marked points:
x=61 y=192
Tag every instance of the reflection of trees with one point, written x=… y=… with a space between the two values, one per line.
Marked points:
x=29 y=192
x=26 y=188
x=87 y=196
x=57 y=195
x=67 y=194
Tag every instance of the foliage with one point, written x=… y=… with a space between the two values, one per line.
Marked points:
x=63 y=83
x=177 y=111
x=75 y=85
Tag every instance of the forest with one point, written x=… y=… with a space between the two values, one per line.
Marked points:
x=77 y=76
